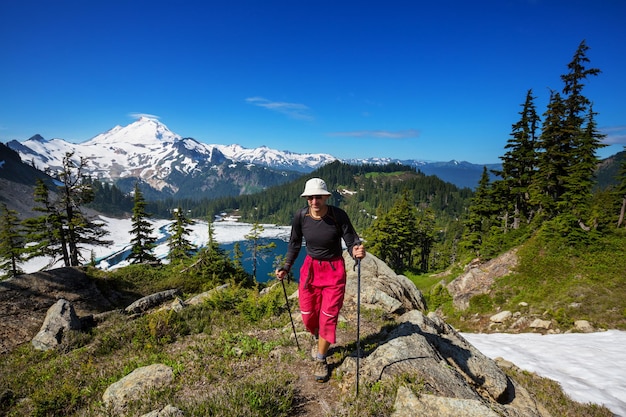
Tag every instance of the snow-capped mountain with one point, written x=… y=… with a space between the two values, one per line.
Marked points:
x=276 y=159
x=170 y=165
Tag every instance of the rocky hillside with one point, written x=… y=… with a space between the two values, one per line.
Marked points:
x=399 y=341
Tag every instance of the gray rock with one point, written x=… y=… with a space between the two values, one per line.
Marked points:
x=501 y=317
x=434 y=406
x=201 y=298
x=540 y=324
x=151 y=301
x=60 y=319
x=135 y=385
x=583 y=326
x=167 y=411
x=382 y=287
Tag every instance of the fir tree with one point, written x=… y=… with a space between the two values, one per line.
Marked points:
x=237 y=255
x=549 y=182
x=75 y=191
x=395 y=234
x=45 y=233
x=578 y=189
x=143 y=242
x=480 y=213
x=583 y=141
x=11 y=241
x=258 y=248
x=519 y=165
x=426 y=236
x=180 y=247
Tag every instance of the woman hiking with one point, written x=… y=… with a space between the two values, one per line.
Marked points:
x=323 y=274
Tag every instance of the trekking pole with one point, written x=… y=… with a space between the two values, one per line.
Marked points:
x=282 y=281
x=358 y=322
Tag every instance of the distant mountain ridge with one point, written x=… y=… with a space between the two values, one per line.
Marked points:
x=168 y=164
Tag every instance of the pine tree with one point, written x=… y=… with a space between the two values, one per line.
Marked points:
x=480 y=214
x=11 y=241
x=395 y=234
x=549 y=182
x=519 y=165
x=45 y=233
x=582 y=141
x=578 y=189
x=237 y=255
x=426 y=236
x=143 y=242
x=258 y=249
x=75 y=191
x=180 y=247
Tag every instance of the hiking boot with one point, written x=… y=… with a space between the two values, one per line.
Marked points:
x=320 y=371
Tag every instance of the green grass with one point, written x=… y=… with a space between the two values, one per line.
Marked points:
x=220 y=351
x=556 y=281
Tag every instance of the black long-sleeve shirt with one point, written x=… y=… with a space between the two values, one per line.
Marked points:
x=322 y=237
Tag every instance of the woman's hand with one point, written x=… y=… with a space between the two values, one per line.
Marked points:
x=358 y=251
x=281 y=274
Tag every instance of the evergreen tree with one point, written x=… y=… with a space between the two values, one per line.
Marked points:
x=180 y=247
x=45 y=233
x=578 y=189
x=519 y=165
x=75 y=191
x=237 y=255
x=426 y=236
x=480 y=215
x=394 y=234
x=549 y=182
x=258 y=248
x=143 y=242
x=582 y=141
x=11 y=242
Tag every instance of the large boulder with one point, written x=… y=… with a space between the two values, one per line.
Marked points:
x=60 y=319
x=457 y=378
x=135 y=385
x=381 y=287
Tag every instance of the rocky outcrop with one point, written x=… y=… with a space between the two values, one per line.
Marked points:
x=381 y=287
x=479 y=277
x=60 y=319
x=457 y=379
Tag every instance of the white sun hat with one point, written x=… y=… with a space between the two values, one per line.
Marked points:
x=315 y=186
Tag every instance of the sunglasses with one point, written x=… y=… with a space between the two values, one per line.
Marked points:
x=315 y=197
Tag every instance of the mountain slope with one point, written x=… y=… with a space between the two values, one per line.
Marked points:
x=163 y=162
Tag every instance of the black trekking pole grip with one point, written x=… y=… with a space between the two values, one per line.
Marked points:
x=293 y=326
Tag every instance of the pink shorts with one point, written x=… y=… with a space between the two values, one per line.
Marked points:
x=321 y=291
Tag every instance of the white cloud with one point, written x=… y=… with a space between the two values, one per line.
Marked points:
x=615 y=135
x=140 y=115
x=294 y=110
x=384 y=134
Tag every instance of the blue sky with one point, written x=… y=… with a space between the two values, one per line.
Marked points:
x=433 y=81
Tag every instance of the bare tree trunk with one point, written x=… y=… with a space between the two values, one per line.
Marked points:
x=621 y=212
